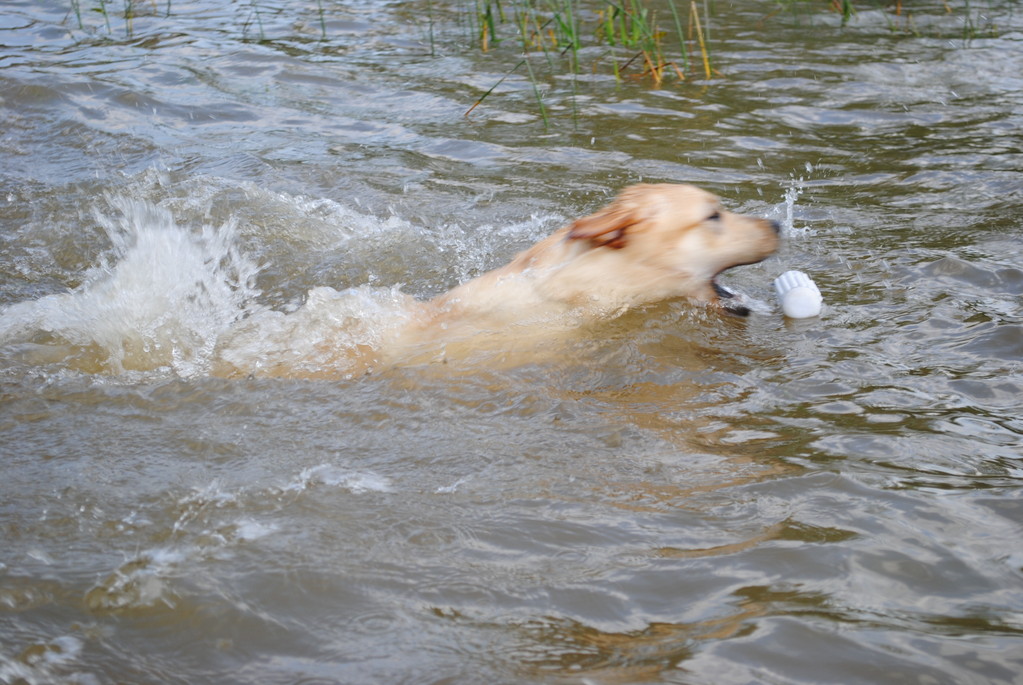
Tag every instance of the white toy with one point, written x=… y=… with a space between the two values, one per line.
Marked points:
x=798 y=295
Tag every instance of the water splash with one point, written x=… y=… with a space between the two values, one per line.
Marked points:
x=333 y=334
x=788 y=221
x=160 y=299
x=791 y=195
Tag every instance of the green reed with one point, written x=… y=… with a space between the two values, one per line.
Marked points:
x=632 y=26
x=254 y=13
x=128 y=13
x=76 y=7
x=637 y=37
x=323 y=19
x=625 y=38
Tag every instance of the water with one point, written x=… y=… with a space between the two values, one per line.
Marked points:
x=673 y=497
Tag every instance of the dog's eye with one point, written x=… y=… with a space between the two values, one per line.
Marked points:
x=714 y=217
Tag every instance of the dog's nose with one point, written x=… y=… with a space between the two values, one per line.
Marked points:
x=777 y=227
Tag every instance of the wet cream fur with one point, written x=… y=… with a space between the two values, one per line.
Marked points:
x=652 y=243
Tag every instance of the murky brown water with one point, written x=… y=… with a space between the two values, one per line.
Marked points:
x=679 y=497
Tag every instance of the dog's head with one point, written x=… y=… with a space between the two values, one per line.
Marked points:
x=678 y=236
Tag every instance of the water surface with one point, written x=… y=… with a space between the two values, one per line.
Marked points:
x=676 y=497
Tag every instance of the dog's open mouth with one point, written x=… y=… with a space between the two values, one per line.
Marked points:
x=729 y=300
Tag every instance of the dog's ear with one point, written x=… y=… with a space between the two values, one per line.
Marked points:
x=607 y=228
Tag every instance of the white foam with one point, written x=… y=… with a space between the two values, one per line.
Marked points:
x=247 y=529
x=142 y=581
x=47 y=662
x=448 y=489
x=161 y=299
x=327 y=474
x=316 y=336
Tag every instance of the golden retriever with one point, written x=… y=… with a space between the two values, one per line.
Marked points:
x=654 y=242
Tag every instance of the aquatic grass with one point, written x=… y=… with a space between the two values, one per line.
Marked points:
x=489 y=15
x=129 y=17
x=76 y=7
x=533 y=81
x=103 y=10
x=636 y=36
x=537 y=94
x=629 y=25
x=528 y=38
x=972 y=30
x=259 y=21
x=525 y=36
x=902 y=16
x=560 y=30
x=678 y=32
x=323 y=19
x=699 y=34
x=845 y=7
x=563 y=28
x=552 y=30
x=429 y=24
